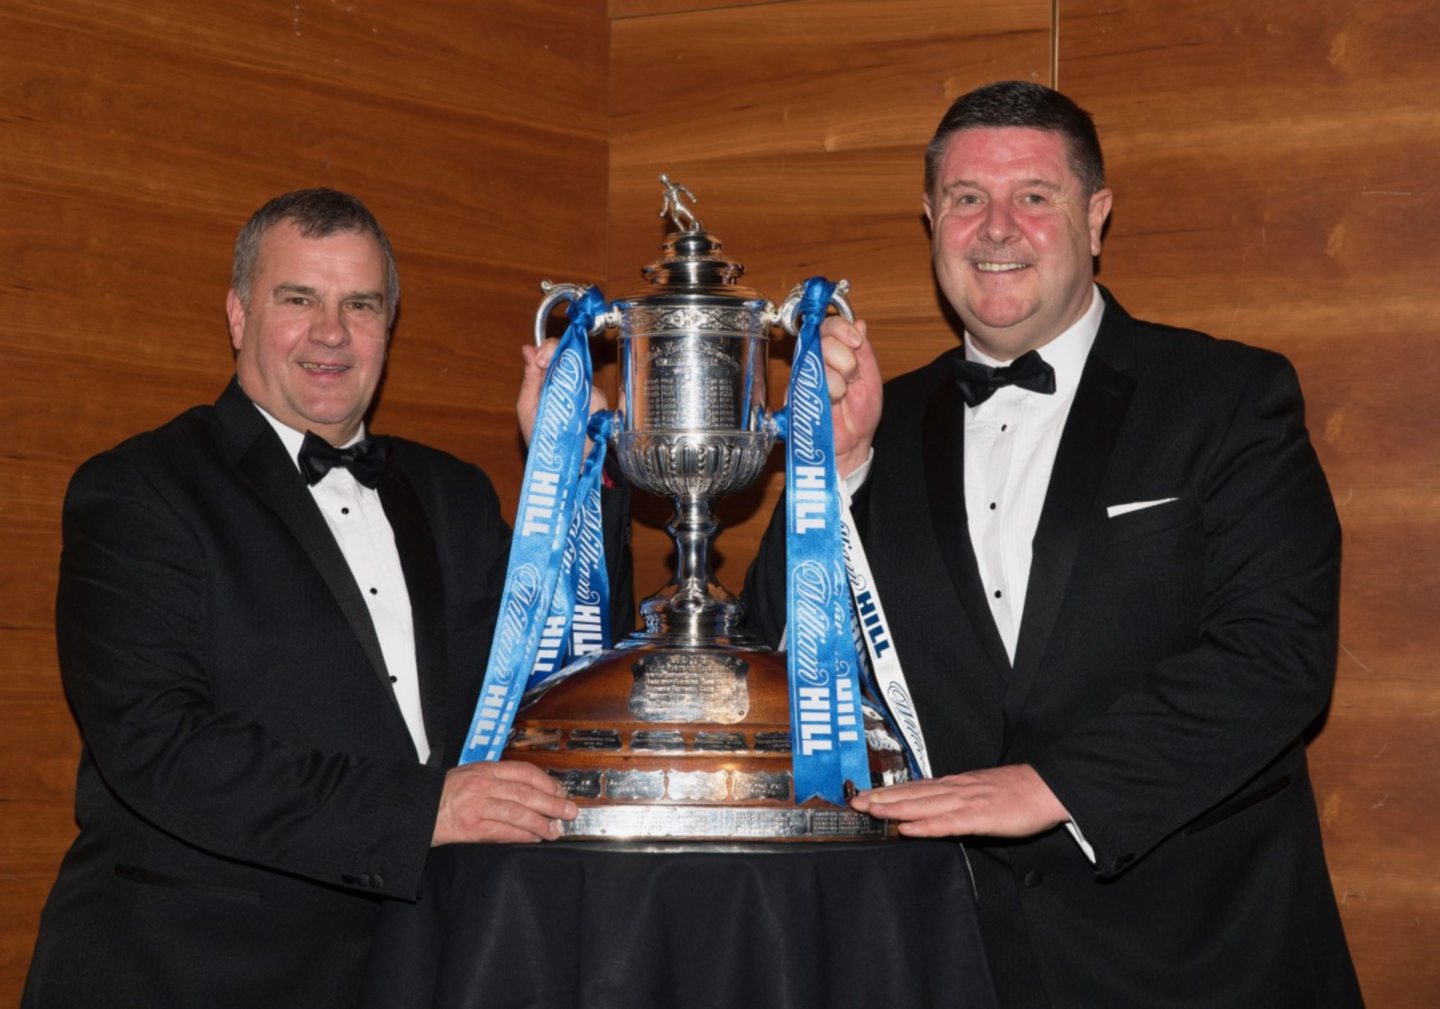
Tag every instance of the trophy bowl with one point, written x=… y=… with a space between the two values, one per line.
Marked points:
x=686 y=743
x=683 y=730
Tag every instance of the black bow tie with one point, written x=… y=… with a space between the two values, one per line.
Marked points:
x=365 y=459
x=978 y=382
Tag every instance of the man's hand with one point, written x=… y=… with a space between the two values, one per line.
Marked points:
x=504 y=801
x=853 y=379
x=537 y=359
x=1009 y=801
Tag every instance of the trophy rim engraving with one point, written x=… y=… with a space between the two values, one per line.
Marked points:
x=699 y=823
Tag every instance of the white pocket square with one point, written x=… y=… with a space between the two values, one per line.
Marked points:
x=1135 y=506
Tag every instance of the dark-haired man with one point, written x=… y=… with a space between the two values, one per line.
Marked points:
x=272 y=630
x=1110 y=562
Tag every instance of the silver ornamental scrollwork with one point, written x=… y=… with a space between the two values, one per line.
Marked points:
x=652 y=321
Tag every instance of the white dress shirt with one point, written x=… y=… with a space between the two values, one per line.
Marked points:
x=363 y=533
x=1010 y=445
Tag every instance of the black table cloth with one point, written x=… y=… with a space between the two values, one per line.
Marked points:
x=595 y=926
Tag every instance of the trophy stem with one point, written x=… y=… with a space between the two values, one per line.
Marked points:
x=694 y=609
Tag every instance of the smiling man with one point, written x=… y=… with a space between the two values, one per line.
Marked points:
x=1111 y=564
x=310 y=323
x=272 y=630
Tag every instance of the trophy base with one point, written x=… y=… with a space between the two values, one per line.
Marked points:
x=661 y=741
x=648 y=821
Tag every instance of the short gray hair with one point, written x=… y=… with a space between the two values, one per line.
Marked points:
x=316 y=213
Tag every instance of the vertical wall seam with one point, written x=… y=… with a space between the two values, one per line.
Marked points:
x=1055 y=44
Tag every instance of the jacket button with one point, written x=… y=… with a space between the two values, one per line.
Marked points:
x=1033 y=879
x=376 y=881
x=349 y=877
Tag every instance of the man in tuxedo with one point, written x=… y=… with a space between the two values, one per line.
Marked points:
x=1110 y=563
x=273 y=649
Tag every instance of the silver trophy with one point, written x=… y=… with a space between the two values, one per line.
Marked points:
x=683 y=730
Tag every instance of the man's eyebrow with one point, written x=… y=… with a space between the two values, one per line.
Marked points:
x=304 y=289
x=375 y=297
x=955 y=184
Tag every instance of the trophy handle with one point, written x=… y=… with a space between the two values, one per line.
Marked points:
x=555 y=293
x=784 y=316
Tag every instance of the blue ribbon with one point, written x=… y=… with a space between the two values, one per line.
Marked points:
x=827 y=727
x=543 y=524
x=579 y=618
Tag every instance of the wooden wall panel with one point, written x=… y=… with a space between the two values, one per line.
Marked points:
x=137 y=137
x=800 y=127
x=1270 y=165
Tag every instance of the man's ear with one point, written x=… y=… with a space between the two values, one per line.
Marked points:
x=235 y=314
x=1099 y=210
x=929 y=213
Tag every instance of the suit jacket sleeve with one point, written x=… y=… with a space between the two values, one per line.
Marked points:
x=1203 y=723
x=135 y=614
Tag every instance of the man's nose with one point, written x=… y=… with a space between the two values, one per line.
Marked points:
x=330 y=329
x=999 y=224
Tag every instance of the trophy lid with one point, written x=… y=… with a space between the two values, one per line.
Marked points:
x=692 y=263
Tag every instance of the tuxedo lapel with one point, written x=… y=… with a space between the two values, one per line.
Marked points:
x=944 y=467
x=415 y=543
x=265 y=465
x=1101 y=400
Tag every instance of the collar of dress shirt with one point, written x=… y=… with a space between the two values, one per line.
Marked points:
x=293 y=439
x=1066 y=353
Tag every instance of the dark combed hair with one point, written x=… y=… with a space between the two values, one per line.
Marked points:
x=316 y=213
x=1022 y=103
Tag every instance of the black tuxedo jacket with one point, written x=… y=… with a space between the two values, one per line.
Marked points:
x=1169 y=660
x=248 y=792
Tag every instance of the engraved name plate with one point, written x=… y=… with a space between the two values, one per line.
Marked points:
x=699 y=686
x=754 y=823
x=698 y=786
x=750 y=785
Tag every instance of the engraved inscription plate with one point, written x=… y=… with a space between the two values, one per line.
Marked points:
x=731 y=742
x=698 y=686
x=579 y=784
x=593 y=739
x=734 y=823
x=660 y=740
x=694 y=385
x=772 y=742
x=750 y=785
x=698 y=786
x=635 y=784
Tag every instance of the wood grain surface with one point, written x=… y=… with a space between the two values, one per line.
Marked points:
x=1270 y=165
